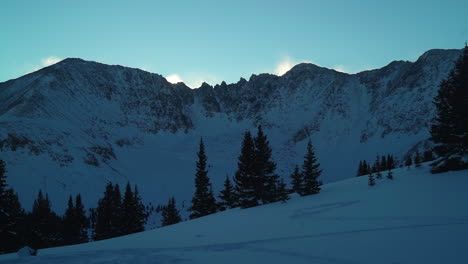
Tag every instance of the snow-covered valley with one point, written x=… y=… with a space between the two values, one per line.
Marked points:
x=418 y=217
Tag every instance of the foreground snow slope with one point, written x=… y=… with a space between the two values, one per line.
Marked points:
x=416 y=218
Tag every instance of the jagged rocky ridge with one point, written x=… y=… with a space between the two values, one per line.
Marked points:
x=73 y=126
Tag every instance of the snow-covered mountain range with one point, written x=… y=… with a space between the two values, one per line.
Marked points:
x=71 y=127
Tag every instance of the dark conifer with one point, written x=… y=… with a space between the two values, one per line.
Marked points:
x=391 y=163
x=371 y=179
x=379 y=175
x=82 y=221
x=450 y=128
x=227 y=196
x=11 y=216
x=244 y=178
x=203 y=201
x=376 y=167
x=265 y=180
x=297 y=181
x=390 y=175
x=428 y=156
x=282 y=191
x=69 y=224
x=311 y=172
x=44 y=226
x=365 y=168
x=108 y=214
x=129 y=216
x=417 y=159
x=170 y=214
x=383 y=163
x=3 y=183
x=360 y=169
x=140 y=212
x=409 y=161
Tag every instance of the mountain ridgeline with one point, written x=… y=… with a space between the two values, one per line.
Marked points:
x=74 y=126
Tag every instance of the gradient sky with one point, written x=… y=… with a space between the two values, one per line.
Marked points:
x=224 y=40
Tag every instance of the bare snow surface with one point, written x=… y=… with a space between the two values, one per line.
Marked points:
x=416 y=218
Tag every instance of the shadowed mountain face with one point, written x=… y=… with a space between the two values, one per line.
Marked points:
x=73 y=126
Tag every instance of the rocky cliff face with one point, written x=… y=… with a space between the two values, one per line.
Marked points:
x=71 y=127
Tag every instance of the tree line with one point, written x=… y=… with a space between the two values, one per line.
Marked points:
x=42 y=227
x=255 y=181
x=381 y=163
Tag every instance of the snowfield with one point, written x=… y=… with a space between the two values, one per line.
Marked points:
x=416 y=218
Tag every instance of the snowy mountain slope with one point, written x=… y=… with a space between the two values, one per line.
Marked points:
x=73 y=126
x=416 y=218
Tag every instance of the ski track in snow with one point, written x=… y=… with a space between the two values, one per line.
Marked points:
x=169 y=255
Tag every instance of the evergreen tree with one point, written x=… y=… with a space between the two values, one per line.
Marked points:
x=6 y=225
x=311 y=172
x=11 y=219
x=43 y=225
x=227 y=196
x=417 y=159
x=379 y=175
x=82 y=221
x=140 y=212
x=170 y=214
x=282 y=191
x=409 y=161
x=265 y=180
x=69 y=224
x=371 y=179
x=360 y=169
x=391 y=163
x=129 y=216
x=383 y=163
x=297 y=181
x=244 y=178
x=108 y=214
x=3 y=183
x=376 y=167
x=390 y=174
x=365 y=168
x=75 y=223
x=203 y=201
x=427 y=156
x=450 y=128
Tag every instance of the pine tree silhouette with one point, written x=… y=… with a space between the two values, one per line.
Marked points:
x=390 y=175
x=450 y=128
x=297 y=181
x=311 y=172
x=244 y=178
x=203 y=201
x=417 y=159
x=265 y=180
x=170 y=214
x=282 y=191
x=227 y=195
x=11 y=215
x=371 y=179
x=44 y=226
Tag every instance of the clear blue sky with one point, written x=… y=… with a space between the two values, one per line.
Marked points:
x=225 y=40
